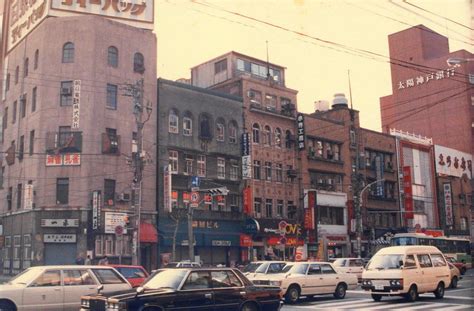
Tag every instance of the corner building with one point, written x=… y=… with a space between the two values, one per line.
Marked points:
x=271 y=192
x=66 y=179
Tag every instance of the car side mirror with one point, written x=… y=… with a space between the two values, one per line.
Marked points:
x=100 y=288
x=140 y=290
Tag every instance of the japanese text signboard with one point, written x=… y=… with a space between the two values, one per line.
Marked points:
x=425 y=79
x=76 y=104
x=407 y=190
x=448 y=203
x=96 y=209
x=453 y=162
x=300 y=129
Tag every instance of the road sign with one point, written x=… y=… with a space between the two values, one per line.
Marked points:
x=119 y=230
x=195 y=181
x=194 y=197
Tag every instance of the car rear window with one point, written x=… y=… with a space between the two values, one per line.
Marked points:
x=131 y=273
x=108 y=276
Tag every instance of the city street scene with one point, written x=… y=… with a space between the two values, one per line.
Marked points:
x=247 y=155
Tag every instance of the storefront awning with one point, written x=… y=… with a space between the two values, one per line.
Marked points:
x=148 y=233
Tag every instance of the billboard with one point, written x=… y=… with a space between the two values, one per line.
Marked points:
x=453 y=162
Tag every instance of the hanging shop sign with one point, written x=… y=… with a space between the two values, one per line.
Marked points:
x=245 y=240
x=167 y=188
x=300 y=131
x=453 y=162
x=59 y=238
x=448 y=203
x=76 y=104
x=96 y=208
x=246 y=167
x=245 y=144
x=407 y=190
x=28 y=197
x=247 y=200
x=251 y=226
x=60 y=223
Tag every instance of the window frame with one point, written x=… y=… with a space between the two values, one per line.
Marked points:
x=68 y=53
x=173 y=118
x=112 y=96
x=201 y=165
x=173 y=160
x=187 y=126
x=65 y=99
x=62 y=187
x=112 y=56
x=221 y=168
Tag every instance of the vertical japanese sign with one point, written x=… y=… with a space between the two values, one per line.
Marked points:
x=379 y=165
x=247 y=198
x=407 y=190
x=246 y=167
x=245 y=145
x=28 y=199
x=448 y=203
x=96 y=202
x=76 y=103
x=300 y=129
x=309 y=210
x=167 y=188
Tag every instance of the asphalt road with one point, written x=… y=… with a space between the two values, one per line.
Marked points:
x=461 y=298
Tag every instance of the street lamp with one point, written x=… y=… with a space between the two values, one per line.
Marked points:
x=457 y=61
x=359 y=216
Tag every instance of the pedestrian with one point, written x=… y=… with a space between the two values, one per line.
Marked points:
x=79 y=260
x=88 y=260
x=104 y=261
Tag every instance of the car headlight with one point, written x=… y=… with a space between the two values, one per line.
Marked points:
x=396 y=282
x=85 y=303
x=366 y=282
x=275 y=283
x=113 y=304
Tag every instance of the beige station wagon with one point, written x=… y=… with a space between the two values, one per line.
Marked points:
x=58 y=287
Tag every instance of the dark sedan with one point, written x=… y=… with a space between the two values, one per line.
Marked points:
x=222 y=289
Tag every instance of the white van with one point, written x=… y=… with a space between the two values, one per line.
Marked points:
x=406 y=271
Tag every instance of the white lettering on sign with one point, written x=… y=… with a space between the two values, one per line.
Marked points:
x=453 y=162
x=221 y=243
x=421 y=79
x=448 y=204
x=76 y=104
x=63 y=223
x=112 y=220
x=59 y=238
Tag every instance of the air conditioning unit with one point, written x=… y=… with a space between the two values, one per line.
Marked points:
x=124 y=197
x=330 y=181
x=66 y=91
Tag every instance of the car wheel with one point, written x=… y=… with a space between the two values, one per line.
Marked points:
x=292 y=294
x=463 y=270
x=454 y=282
x=340 y=292
x=412 y=294
x=249 y=306
x=439 y=292
x=7 y=306
x=376 y=297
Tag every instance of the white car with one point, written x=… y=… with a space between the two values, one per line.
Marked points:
x=311 y=278
x=350 y=265
x=58 y=287
x=257 y=271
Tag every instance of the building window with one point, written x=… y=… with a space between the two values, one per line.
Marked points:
x=255 y=98
x=98 y=245
x=268 y=171
x=27 y=247
x=188 y=164
x=110 y=142
x=201 y=166
x=138 y=63
x=205 y=127
x=173 y=161
x=5 y=120
x=220 y=168
x=289 y=139
x=66 y=93
x=17 y=74
x=291 y=210
x=232 y=133
x=267 y=134
x=62 y=191
x=32 y=142
x=109 y=192
x=2 y=176
x=33 y=99
x=173 y=122
x=256 y=169
x=23 y=105
x=279 y=172
x=463 y=223
x=219 y=131
x=9 y=198
x=278 y=137
x=14 y=112
x=19 y=195
x=21 y=148
x=36 y=60
x=330 y=215
x=220 y=66
x=112 y=56
x=25 y=68
x=187 y=126
x=270 y=102
x=269 y=208
x=68 y=52
x=280 y=211
x=257 y=207
x=234 y=172
x=352 y=137
x=7 y=83
x=16 y=247
x=111 y=96
x=256 y=133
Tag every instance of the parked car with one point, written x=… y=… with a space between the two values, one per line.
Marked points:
x=350 y=265
x=455 y=275
x=406 y=271
x=191 y=289
x=310 y=278
x=183 y=264
x=58 y=287
x=256 y=271
x=460 y=265
x=135 y=275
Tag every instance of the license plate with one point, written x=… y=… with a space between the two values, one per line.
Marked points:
x=378 y=286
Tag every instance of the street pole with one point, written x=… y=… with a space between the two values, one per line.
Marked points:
x=190 y=234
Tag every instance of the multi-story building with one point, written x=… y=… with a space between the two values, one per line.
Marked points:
x=199 y=154
x=343 y=163
x=69 y=135
x=271 y=180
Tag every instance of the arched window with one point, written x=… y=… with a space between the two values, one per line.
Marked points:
x=220 y=130
x=267 y=134
x=205 y=127
x=68 y=52
x=187 y=124
x=173 y=120
x=112 y=56
x=278 y=137
x=256 y=133
x=138 y=63
x=25 y=67
x=35 y=65
x=17 y=74
x=289 y=139
x=232 y=132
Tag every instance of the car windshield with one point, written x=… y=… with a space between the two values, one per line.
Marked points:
x=339 y=263
x=166 y=279
x=381 y=262
x=286 y=268
x=252 y=267
x=25 y=277
x=172 y=265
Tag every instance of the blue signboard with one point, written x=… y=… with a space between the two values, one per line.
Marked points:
x=245 y=144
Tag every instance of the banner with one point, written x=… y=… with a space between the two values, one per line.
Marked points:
x=247 y=198
x=407 y=190
x=167 y=188
x=448 y=203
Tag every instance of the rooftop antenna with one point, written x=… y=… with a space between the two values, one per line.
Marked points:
x=268 y=64
x=350 y=89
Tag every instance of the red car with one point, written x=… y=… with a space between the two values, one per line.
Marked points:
x=460 y=265
x=135 y=275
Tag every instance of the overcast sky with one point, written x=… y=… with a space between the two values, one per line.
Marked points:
x=191 y=32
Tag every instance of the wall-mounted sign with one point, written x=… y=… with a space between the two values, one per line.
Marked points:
x=112 y=220
x=28 y=197
x=167 y=188
x=76 y=103
x=245 y=144
x=59 y=238
x=206 y=224
x=453 y=162
x=300 y=134
x=247 y=200
x=246 y=167
x=448 y=203
x=69 y=159
x=60 y=223
x=424 y=79
x=407 y=190
x=221 y=243
x=379 y=168
x=96 y=208
x=251 y=226
x=246 y=240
